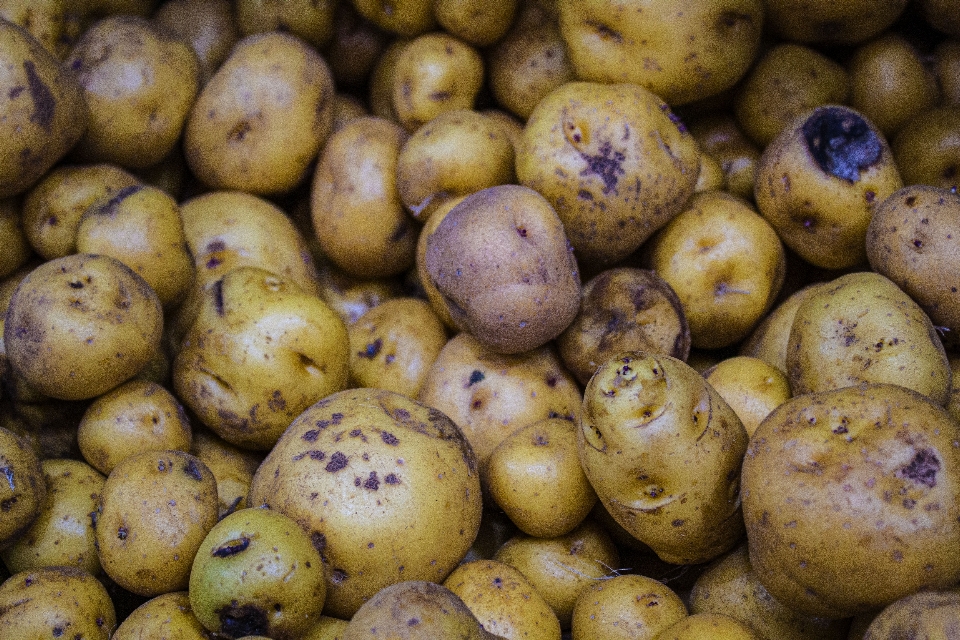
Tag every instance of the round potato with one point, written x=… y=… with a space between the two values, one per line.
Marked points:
x=54 y=601
x=849 y=497
x=167 y=616
x=477 y=22
x=626 y=607
x=753 y=388
x=402 y=17
x=927 y=148
x=926 y=614
x=831 y=22
x=770 y=338
x=311 y=20
x=207 y=26
x=720 y=136
x=23 y=495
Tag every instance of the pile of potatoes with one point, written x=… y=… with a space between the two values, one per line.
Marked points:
x=456 y=319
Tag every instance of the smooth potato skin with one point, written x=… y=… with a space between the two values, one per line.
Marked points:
x=49 y=602
x=167 y=616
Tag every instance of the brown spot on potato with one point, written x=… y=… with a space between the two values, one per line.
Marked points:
x=217 y=292
x=338 y=576
x=192 y=470
x=372 y=482
x=231 y=548
x=841 y=142
x=607 y=165
x=247 y=620
x=922 y=469
x=310 y=435
x=391 y=478
x=276 y=401
x=389 y=438
x=371 y=350
x=44 y=104
x=337 y=462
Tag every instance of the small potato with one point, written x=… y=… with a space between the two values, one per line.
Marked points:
x=16 y=248
x=354 y=48
x=56 y=602
x=626 y=607
x=23 y=495
x=154 y=512
x=477 y=22
x=327 y=628
x=503 y=600
x=535 y=476
x=139 y=84
x=311 y=20
x=232 y=467
x=136 y=416
x=393 y=345
x=261 y=119
x=663 y=451
x=79 y=326
x=207 y=26
x=831 y=22
x=680 y=50
x=63 y=533
x=926 y=614
x=927 y=148
x=167 y=616
x=752 y=388
x=524 y=294
x=721 y=137
x=351 y=297
x=402 y=17
x=489 y=395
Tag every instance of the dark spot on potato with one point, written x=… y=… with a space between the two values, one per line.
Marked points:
x=162 y=466
x=551 y=381
x=122 y=533
x=372 y=482
x=276 y=401
x=338 y=576
x=8 y=504
x=583 y=194
x=8 y=474
x=192 y=470
x=604 y=31
x=922 y=469
x=541 y=440
x=389 y=438
x=412 y=622
x=440 y=96
x=44 y=104
x=57 y=632
x=15 y=91
x=336 y=418
x=76 y=285
x=841 y=142
x=391 y=478
x=607 y=165
x=247 y=620
x=522 y=232
x=475 y=377
x=110 y=208
x=217 y=291
x=674 y=118
x=337 y=462
x=231 y=548
x=371 y=350
x=311 y=435
x=239 y=131
x=678 y=522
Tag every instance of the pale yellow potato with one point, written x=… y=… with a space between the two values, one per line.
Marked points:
x=478 y=22
x=715 y=626
x=381 y=80
x=351 y=297
x=711 y=177
x=25 y=497
x=402 y=17
x=626 y=607
x=753 y=388
x=42 y=19
x=925 y=614
x=327 y=628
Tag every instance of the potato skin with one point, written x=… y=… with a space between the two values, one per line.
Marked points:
x=167 y=616
x=850 y=499
x=23 y=495
x=56 y=602
x=926 y=614
x=626 y=607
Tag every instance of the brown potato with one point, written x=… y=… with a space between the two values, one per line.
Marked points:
x=207 y=26
x=831 y=22
x=354 y=48
x=927 y=148
x=626 y=607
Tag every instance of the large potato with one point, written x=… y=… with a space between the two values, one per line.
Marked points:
x=663 y=451
x=56 y=602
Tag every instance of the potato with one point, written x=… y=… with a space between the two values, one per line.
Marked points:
x=207 y=26
x=715 y=626
x=624 y=309
x=927 y=148
x=261 y=119
x=725 y=263
x=819 y=181
x=381 y=80
x=154 y=512
x=535 y=476
x=166 y=616
x=770 y=338
x=23 y=495
x=42 y=19
x=351 y=297
x=81 y=325
x=49 y=602
x=355 y=206
x=830 y=21
x=359 y=471
x=849 y=497
x=17 y=249
x=475 y=22
x=327 y=628
x=730 y=586
x=947 y=66
x=43 y=114
x=720 y=136
x=403 y=17
x=311 y=20
x=354 y=48
x=489 y=395
x=926 y=614
x=681 y=51
x=260 y=352
x=753 y=388
x=863 y=328
x=626 y=607
x=503 y=600
x=523 y=295
x=648 y=422
x=430 y=290
x=614 y=162
x=62 y=534
x=232 y=467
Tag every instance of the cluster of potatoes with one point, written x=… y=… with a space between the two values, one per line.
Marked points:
x=479 y=319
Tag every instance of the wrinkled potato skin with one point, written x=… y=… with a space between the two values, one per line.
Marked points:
x=167 y=616
x=598 y=154
x=927 y=148
x=53 y=602
x=680 y=50
x=927 y=614
x=23 y=497
x=851 y=487
x=645 y=418
x=863 y=328
x=626 y=607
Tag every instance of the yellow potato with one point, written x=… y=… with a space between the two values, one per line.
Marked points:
x=626 y=607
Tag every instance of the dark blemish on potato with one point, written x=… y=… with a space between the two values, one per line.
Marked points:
x=57 y=632
x=412 y=622
x=231 y=548
x=910 y=201
x=922 y=469
x=540 y=440
x=122 y=533
x=372 y=482
x=475 y=377
x=15 y=91
x=75 y=284
x=731 y=19
x=276 y=401
x=8 y=474
x=607 y=165
x=840 y=430
x=192 y=470
x=909 y=504
x=869 y=196
x=247 y=620
x=44 y=104
x=391 y=478
x=337 y=462
x=336 y=418
x=400 y=232
x=605 y=32
x=583 y=194
x=551 y=381
x=355 y=433
x=311 y=435
x=401 y=414
x=217 y=291
x=389 y=438
x=674 y=118
x=440 y=96
x=319 y=542
x=678 y=522
x=162 y=466
x=239 y=131
x=522 y=232
x=372 y=349
x=338 y=576
x=8 y=504
x=213 y=262
x=313 y=454
x=841 y=142
x=110 y=208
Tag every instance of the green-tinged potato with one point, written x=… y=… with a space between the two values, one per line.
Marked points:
x=433 y=74
x=43 y=112
x=402 y=17
x=503 y=600
x=135 y=417
x=476 y=22
x=387 y=488
x=455 y=154
x=139 y=84
x=62 y=534
x=819 y=182
x=53 y=207
x=535 y=476
x=614 y=162
x=626 y=607
x=354 y=48
x=850 y=499
x=912 y=239
x=624 y=309
x=16 y=247
x=207 y=26
x=257 y=572
x=889 y=83
x=141 y=227
x=261 y=119
x=529 y=62
x=663 y=451
x=311 y=20
x=682 y=51
x=730 y=586
x=355 y=206
x=927 y=148
x=393 y=345
x=561 y=568
x=55 y=602
x=830 y=22
x=753 y=388
x=23 y=494
x=232 y=467
x=166 y=617
x=155 y=509
x=715 y=626
x=81 y=325
x=415 y=610
x=770 y=338
x=490 y=395
x=859 y=328
x=926 y=614
x=720 y=136
x=788 y=80
x=725 y=263
x=260 y=352
x=327 y=628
